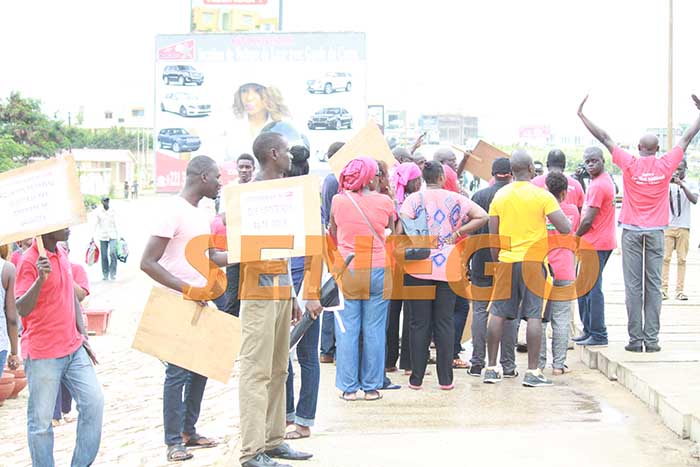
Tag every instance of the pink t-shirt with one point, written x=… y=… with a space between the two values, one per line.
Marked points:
x=447 y=211
x=646 y=180
x=49 y=330
x=218 y=230
x=561 y=259
x=574 y=194
x=377 y=207
x=180 y=222
x=601 y=195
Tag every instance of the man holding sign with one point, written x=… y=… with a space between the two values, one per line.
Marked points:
x=55 y=350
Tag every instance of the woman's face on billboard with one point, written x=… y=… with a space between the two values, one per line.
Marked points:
x=252 y=100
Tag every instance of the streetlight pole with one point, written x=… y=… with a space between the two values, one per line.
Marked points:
x=669 y=116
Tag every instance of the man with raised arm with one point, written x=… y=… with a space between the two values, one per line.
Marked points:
x=644 y=215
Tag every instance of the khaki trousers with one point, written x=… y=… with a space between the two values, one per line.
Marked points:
x=675 y=238
x=264 y=358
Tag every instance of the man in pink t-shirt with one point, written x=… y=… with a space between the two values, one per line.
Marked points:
x=556 y=163
x=55 y=350
x=644 y=215
x=598 y=231
x=164 y=260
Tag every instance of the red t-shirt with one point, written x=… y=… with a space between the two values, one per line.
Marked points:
x=601 y=195
x=16 y=256
x=451 y=183
x=574 y=194
x=218 y=230
x=646 y=180
x=49 y=330
x=561 y=259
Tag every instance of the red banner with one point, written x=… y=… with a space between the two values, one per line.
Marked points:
x=170 y=173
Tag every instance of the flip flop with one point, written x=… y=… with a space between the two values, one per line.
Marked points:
x=373 y=398
x=295 y=434
x=391 y=387
x=178 y=453
x=459 y=364
x=349 y=396
x=198 y=441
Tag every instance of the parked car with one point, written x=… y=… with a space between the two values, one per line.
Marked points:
x=331 y=118
x=330 y=82
x=178 y=139
x=184 y=104
x=182 y=74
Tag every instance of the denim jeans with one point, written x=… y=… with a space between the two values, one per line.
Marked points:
x=460 y=320
x=368 y=316
x=108 y=256
x=560 y=312
x=328 y=333
x=229 y=302
x=63 y=402
x=591 y=307
x=508 y=341
x=3 y=358
x=180 y=414
x=44 y=377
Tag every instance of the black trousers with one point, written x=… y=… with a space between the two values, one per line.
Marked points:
x=430 y=317
x=392 y=336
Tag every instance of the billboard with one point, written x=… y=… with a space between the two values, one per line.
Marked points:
x=214 y=93
x=235 y=15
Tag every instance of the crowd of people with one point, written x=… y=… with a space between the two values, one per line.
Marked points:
x=527 y=228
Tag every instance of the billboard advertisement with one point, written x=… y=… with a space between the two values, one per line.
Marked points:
x=215 y=93
x=235 y=15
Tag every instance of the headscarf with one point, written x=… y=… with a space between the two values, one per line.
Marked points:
x=357 y=174
x=450 y=179
x=404 y=173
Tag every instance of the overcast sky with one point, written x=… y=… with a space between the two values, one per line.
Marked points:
x=510 y=62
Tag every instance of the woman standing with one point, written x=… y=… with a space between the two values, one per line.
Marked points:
x=358 y=213
x=8 y=313
x=449 y=215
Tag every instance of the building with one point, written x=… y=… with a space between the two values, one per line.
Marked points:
x=449 y=128
x=104 y=171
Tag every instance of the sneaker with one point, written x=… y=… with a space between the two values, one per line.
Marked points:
x=510 y=373
x=664 y=295
x=582 y=337
x=535 y=379
x=521 y=348
x=491 y=376
x=649 y=348
x=681 y=296
x=326 y=358
x=476 y=370
x=633 y=347
x=591 y=342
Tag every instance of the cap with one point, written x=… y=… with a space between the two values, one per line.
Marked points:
x=501 y=166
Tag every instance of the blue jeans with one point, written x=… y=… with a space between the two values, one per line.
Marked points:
x=180 y=415
x=44 y=377
x=63 y=402
x=3 y=358
x=368 y=316
x=591 y=307
x=108 y=256
x=328 y=333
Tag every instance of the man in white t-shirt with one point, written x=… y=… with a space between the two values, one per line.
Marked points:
x=106 y=234
x=164 y=260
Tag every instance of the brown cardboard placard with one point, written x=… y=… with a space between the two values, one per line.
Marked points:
x=40 y=198
x=481 y=159
x=201 y=339
x=286 y=206
x=370 y=142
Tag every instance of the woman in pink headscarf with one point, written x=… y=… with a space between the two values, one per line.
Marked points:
x=359 y=211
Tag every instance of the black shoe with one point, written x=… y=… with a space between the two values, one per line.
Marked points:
x=652 y=348
x=633 y=347
x=285 y=451
x=263 y=460
x=582 y=337
x=476 y=370
x=521 y=348
x=510 y=373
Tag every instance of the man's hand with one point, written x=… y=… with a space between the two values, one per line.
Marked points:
x=296 y=312
x=43 y=265
x=697 y=101
x=13 y=362
x=314 y=307
x=90 y=352
x=583 y=102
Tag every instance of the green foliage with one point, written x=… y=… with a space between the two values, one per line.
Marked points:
x=91 y=201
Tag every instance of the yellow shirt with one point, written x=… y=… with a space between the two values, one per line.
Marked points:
x=521 y=208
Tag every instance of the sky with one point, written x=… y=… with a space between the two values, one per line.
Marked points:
x=510 y=62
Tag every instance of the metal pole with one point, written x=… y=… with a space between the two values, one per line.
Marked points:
x=279 y=20
x=669 y=117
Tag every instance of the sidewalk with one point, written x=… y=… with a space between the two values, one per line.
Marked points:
x=666 y=381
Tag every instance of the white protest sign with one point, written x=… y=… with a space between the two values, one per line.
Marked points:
x=40 y=198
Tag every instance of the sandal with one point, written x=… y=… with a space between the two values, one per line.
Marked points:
x=349 y=396
x=459 y=364
x=198 y=441
x=560 y=371
x=372 y=396
x=296 y=434
x=177 y=453
x=681 y=296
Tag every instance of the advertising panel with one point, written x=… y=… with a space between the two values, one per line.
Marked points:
x=215 y=93
x=235 y=15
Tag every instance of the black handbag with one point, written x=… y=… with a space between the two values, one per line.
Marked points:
x=416 y=227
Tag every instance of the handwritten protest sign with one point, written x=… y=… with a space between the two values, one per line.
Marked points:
x=200 y=339
x=288 y=206
x=481 y=159
x=40 y=198
x=369 y=142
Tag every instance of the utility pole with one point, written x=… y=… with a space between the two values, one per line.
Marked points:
x=669 y=117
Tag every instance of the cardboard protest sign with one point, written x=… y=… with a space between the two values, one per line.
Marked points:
x=286 y=206
x=369 y=142
x=40 y=198
x=200 y=339
x=481 y=159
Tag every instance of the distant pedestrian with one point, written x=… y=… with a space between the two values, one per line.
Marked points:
x=106 y=233
x=126 y=189
x=644 y=215
x=135 y=190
